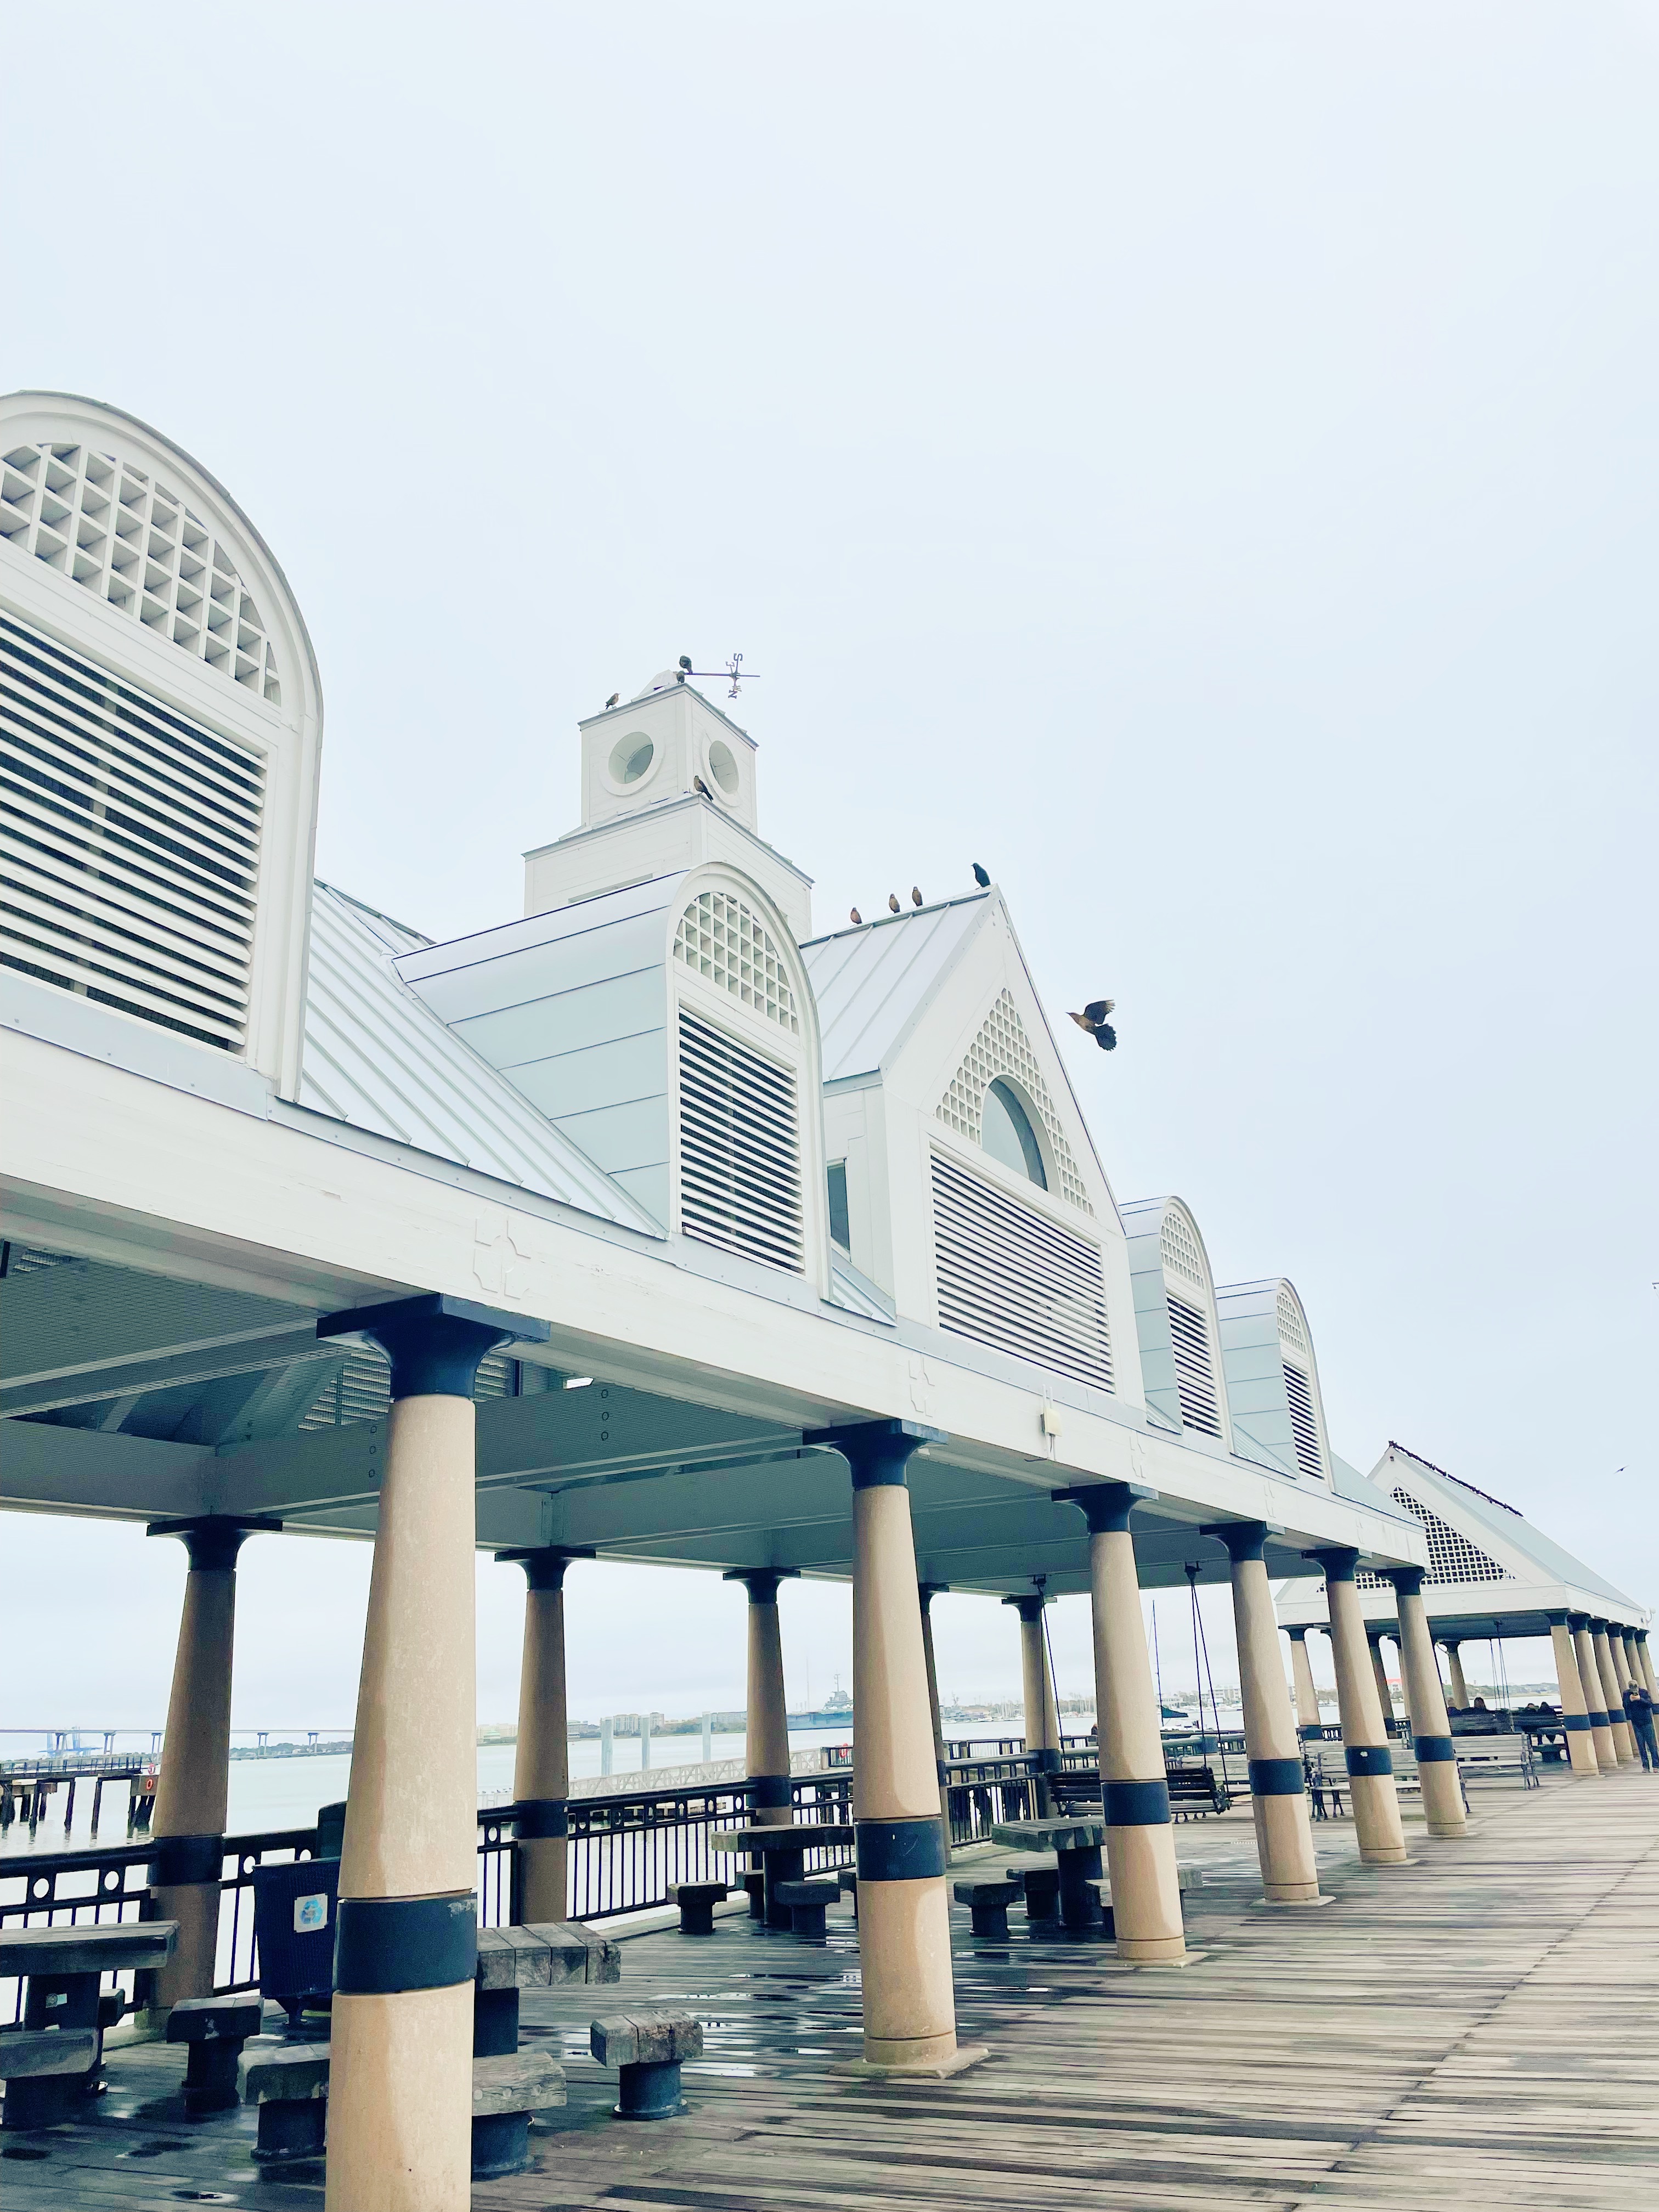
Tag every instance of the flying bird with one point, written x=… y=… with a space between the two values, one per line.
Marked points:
x=893 y=906
x=700 y=787
x=1093 y=1019
x=915 y=895
x=612 y=699
x=981 y=878
x=856 y=919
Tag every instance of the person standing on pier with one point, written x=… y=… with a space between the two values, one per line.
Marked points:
x=1638 y=1711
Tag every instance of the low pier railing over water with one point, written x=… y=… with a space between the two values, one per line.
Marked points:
x=626 y=1850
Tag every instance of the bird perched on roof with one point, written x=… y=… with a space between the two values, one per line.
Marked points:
x=981 y=878
x=856 y=919
x=893 y=906
x=1093 y=1019
x=915 y=895
x=700 y=787
x=612 y=699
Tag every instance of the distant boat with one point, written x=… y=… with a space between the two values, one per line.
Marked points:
x=1175 y=1713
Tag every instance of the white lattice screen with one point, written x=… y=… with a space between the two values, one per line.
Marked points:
x=1452 y=1557
x=1178 y=1247
x=1290 y=1331
x=719 y=939
x=117 y=531
x=1002 y=1047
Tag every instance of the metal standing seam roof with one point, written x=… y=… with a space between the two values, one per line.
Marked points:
x=377 y=1058
x=871 y=982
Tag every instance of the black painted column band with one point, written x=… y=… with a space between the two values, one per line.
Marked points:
x=767 y=1791
x=536 y=1819
x=386 y=1944
x=1429 y=1748
x=900 y=1850
x=182 y=1859
x=1369 y=1758
x=1277 y=1777
x=1135 y=1804
x=1576 y=1722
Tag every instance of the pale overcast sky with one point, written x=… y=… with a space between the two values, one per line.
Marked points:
x=1198 y=459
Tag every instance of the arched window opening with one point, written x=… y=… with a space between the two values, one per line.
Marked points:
x=1006 y=1134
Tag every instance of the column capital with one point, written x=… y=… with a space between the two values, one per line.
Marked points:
x=1027 y=1604
x=763 y=1581
x=544 y=1565
x=1106 y=1506
x=1295 y=1635
x=1578 y=1622
x=434 y=1342
x=928 y=1592
x=1407 y=1580
x=1640 y=1634
x=1245 y=1540
x=213 y=1540
x=877 y=1452
x=1339 y=1561
x=1558 y=1620
x=1598 y=1627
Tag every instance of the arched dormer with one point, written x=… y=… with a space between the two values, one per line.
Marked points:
x=1176 y=1317
x=162 y=721
x=746 y=1169
x=1273 y=1378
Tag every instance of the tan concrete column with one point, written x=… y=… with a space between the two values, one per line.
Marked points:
x=1038 y=1684
x=766 y=1724
x=1632 y=1662
x=1308 y=1723
x=400 y=2075
x=191 y=1793
x=1405 y=1685
x=1384 y=1694
x=1589 y=1674
x=1574 y=1707
x=1365 y=1740
x=1436 y=1756
x=1624 y=1743
x=904 y=1915
x=1135 y=1790
x=541 y=1768
x=1460 y=1688
x=925 y=1593
x=1645 y=1656
x=1279 y=1796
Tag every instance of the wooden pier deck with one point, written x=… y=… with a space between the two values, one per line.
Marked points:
x=1480 y=2028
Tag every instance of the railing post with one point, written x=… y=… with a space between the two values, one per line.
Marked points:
x=400 y=2084
x=904 y=1923
x=187 y=1822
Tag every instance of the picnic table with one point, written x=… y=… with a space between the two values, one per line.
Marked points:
x=1076 y=1846
x=782 y=1852
x=62 y=1967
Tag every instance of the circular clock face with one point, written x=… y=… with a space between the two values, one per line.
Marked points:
x=631 y=758
x=724 y=767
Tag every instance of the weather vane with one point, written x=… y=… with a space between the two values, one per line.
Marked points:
x=733 y=668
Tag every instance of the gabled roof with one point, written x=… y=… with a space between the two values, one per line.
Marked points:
x=871 y=982
x=378 y=1058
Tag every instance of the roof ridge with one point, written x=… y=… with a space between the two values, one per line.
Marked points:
x=1471 y=1487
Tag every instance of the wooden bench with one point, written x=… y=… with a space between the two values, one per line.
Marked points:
x=808 y=1902
x=1040 y=1887
x=214 y=2029
x=987 y=1903
x=50 y=2054
x=647 y=2048
x=697 y=1901
x=505 y=2090
x=289 y=2082
x=1192 y=1785
x=544 y=1956
x=62 y=1967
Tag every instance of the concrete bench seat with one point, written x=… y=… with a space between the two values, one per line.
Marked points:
x=214 y=2029
x=62 y=1967
x=808 y=1902
x=48 y=2054
x=1040 y=1886
x=505 y=2090
x=697 y=1901
x=987 y=1902
x=647 y=2048
x=289 y=2082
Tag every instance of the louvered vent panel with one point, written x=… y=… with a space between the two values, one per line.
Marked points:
x=1452 y=1557
x=1008 y=1277
x=129 y=845
x=1304 y=1430
x=1189 y=1338
x=740 y=1186
x=362 y=1389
